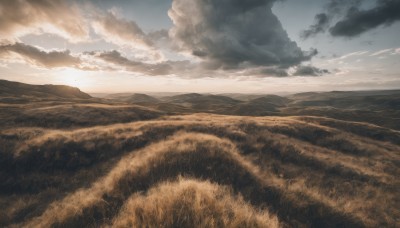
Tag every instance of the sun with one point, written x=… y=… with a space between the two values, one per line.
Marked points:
x=74 y=77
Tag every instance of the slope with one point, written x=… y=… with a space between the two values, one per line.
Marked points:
x=16 y=89
x=301 y=171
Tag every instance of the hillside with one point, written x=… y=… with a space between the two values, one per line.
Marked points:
x=367 y=102
x=341 y=94
x=133 y=98
x=108 y=163
x=378 y=107
x=281 y=171
x=16 y=89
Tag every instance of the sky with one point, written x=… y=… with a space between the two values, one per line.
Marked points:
x=213 y=46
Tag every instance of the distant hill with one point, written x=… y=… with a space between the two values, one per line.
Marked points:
x=361 y=100
x=195 y=98
x=17 y=89
x=142 y=98
x=251 y=109
x=381 y=107
x=272 y=99
x=242 y=97
x=341 y=94
x=188 y=97
x=133 y=98
x=203 y=103
x=266 y=105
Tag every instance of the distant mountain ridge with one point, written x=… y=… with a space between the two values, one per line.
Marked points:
x=17 y=89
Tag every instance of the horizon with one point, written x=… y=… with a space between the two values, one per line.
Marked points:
x=157 y=93
x=215 y=47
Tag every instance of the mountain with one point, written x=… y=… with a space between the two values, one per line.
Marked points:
x=17 y=89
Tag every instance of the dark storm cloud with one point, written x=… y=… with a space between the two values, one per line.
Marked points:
x=233 y=34
x=20 y=17
x=321 y=24
x=309 y=71
x=359 y=21
x=38 y=57
x=333 y=9
x=351 y=20
x=338 y=7
x=274 y=72
x=116 y=58
x=267 y=71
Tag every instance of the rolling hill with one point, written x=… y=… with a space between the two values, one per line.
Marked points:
x=105 y=163
x=378 y=107
x=199 y=102
x=248 y=171
x=58 y=106
x=133 y=98
x=17 y=89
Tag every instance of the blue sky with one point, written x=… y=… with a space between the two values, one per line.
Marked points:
x=189 y=46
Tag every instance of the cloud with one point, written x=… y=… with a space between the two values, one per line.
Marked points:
x=359 y=21
x=336 y=8
x=352 y=54
x=38 y=57
x=321 y=24
x=266 y=71
x=158 y=35
x=127 y=33
x=115 y=57
x=20 y=17
x=333 y=9
x=88 y=61
x=224 y=38
x=233 y=34
x=381 y=52
x=351 y=20
x=309 y=71
x=120 y=31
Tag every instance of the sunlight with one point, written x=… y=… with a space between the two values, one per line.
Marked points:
x=74 y=77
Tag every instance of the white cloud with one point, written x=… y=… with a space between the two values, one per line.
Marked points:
x=381 y=52
x=18 y=18
x=121 y=32
x=352 y=54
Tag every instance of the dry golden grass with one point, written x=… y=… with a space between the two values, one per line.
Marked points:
x=187 y=203
x=237 y=171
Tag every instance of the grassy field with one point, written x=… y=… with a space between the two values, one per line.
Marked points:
x=92 y=162
x=202 y=170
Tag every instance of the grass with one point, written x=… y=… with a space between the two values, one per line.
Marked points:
x=200 y=170
x=187 y=202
